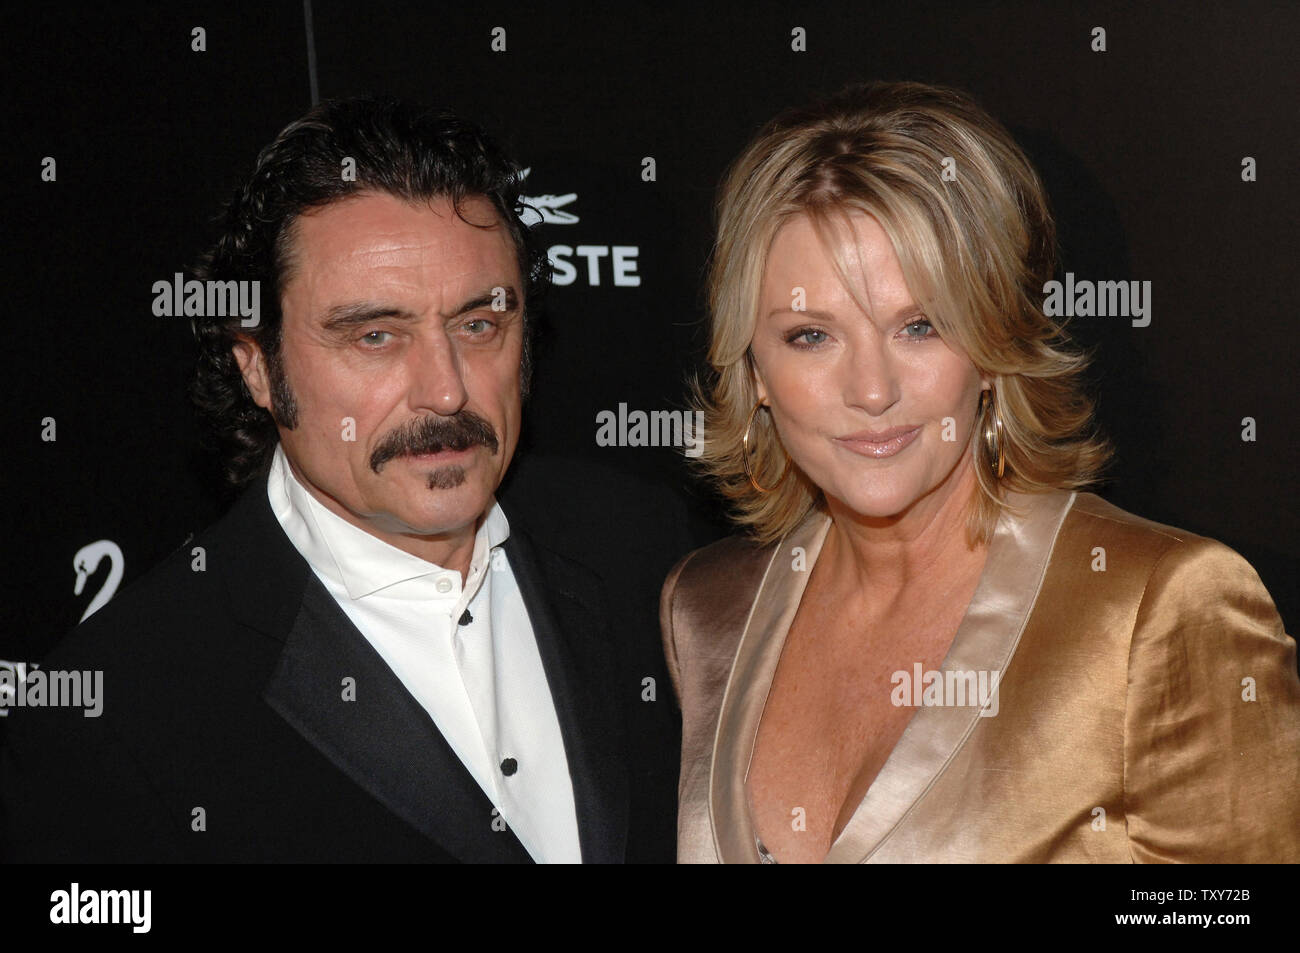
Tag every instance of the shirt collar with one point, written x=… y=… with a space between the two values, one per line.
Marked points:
x=362 y=563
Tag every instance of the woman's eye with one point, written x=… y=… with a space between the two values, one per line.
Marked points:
x=919 y=330
x=807 y=337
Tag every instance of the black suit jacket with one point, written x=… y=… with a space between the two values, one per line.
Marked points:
x=225 y=735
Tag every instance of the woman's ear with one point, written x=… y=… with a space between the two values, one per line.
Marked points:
x=760 y=388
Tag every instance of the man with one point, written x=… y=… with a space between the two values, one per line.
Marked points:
x=369 y=658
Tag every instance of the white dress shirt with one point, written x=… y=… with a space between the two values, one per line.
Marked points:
x=482 y=683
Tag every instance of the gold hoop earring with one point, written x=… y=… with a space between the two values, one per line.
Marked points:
x=744 y=441
x=993 y=437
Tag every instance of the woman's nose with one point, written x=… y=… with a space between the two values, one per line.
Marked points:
x=870 y=380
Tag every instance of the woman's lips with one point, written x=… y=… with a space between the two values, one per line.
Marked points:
x=880 y=443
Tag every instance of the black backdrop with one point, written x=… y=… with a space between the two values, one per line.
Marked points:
x=1141 y=147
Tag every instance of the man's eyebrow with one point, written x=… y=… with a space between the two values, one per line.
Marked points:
x=346 y=317
x=487 y=298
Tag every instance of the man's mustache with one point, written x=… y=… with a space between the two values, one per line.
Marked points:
x=435 y=434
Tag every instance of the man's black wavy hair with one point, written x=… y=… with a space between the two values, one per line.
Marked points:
x=407 y=151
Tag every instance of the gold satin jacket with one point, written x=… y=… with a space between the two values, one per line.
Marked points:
x=1146 y=712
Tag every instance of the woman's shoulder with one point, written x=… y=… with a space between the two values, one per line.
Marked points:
x=735 y=562
x=726 y=554
x=712 y=588
x=703 y=607
x=1092 y=520
x=1163 y=559
x=1092 y=506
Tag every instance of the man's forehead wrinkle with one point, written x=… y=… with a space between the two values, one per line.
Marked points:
x=412 y=275
x=396 y=255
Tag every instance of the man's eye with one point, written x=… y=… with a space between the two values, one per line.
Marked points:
x=479 y=326
x=376 y=337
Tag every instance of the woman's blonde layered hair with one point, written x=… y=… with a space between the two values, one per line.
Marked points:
x=968 y=218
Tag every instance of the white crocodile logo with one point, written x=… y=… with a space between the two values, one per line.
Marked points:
x=545 y=209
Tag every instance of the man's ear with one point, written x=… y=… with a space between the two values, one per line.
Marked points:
x=252 y=364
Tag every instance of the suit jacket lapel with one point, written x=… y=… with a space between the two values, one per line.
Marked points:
x=985 y=641
x=384 y=740
x=743 y=700
x=571 y=628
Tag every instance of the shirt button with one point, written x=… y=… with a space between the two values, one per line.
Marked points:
x=443 y=585
x=509 y=766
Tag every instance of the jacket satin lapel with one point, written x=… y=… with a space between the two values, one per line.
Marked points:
x=570 y=626
x=384 y=740
x=986 y=640
x=751 y=676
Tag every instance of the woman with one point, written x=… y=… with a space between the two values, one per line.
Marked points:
x=931 y=644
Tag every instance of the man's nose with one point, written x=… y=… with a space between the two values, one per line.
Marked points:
x=437 y=375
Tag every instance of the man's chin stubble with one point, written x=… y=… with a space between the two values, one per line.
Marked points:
x=446 y=478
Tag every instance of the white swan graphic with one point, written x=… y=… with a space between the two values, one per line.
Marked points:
x=87 y=561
